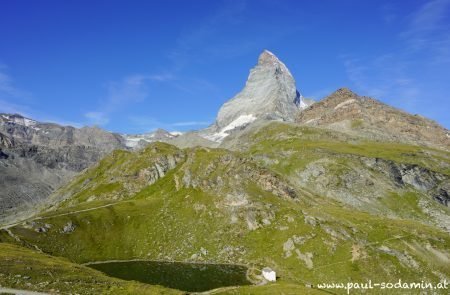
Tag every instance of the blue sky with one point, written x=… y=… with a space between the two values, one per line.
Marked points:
x=132 y=66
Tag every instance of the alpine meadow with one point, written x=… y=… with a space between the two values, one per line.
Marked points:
x=282 y=193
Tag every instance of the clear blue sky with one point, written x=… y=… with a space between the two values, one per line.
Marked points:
x=132 y=66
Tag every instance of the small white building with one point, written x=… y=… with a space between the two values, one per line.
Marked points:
x=269 y=274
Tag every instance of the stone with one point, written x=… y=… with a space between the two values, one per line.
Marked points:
x=69 y=227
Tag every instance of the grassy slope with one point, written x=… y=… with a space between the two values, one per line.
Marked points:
x=21 y=268
x=158 y=229
x=289 y=149
x=307 y=142
x=272 y=289
x=118 y=176
x=163 y=222
x=171 y=229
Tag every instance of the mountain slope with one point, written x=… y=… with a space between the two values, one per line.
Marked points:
x=262 y=207
x=123 y=174
x=375 y=177
x=346 y=111
x=26 y=269
x=31 y=132
x=36 y=158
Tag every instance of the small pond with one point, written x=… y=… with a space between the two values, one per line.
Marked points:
x=191 y=277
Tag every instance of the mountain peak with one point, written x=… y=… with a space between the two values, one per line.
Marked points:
x=346 y=111
x=344 y=91
x=267 y=57
x=269 y=93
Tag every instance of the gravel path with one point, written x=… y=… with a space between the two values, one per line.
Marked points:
x=20 y=292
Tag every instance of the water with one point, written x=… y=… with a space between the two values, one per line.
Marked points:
x=191 y=277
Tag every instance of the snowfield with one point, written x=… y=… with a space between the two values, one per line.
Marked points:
x=241 y=121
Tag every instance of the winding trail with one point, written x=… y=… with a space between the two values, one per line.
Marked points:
x=7 y=226
x=79 y=211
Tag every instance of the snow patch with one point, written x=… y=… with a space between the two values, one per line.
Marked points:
x=302 y=105
x=241 y=121
x=20 y=120
x=132 y=141
x=29 y=122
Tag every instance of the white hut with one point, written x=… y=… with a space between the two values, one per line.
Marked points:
x=269 y=274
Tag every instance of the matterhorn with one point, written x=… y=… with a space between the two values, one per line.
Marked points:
x=270 y=93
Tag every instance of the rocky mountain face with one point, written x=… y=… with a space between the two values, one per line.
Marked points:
x=32 y=132
x=270 y=93
x=36 y=158
x=346 y=111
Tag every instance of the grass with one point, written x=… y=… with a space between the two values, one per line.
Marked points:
x=21 y=268
x=277 y=288
x=405 y=205
x=168 y=227
x=357 y=124
x=119 y=175
x=310 y=140
x=222 y=213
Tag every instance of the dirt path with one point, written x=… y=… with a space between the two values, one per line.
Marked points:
x=20 y=292
x=79 y=211
x=7 y=226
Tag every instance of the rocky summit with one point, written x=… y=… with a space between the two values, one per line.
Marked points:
x=346 y=111
x=270 y=93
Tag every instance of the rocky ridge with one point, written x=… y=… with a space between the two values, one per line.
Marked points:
x=346 y=111
x=36 y=158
